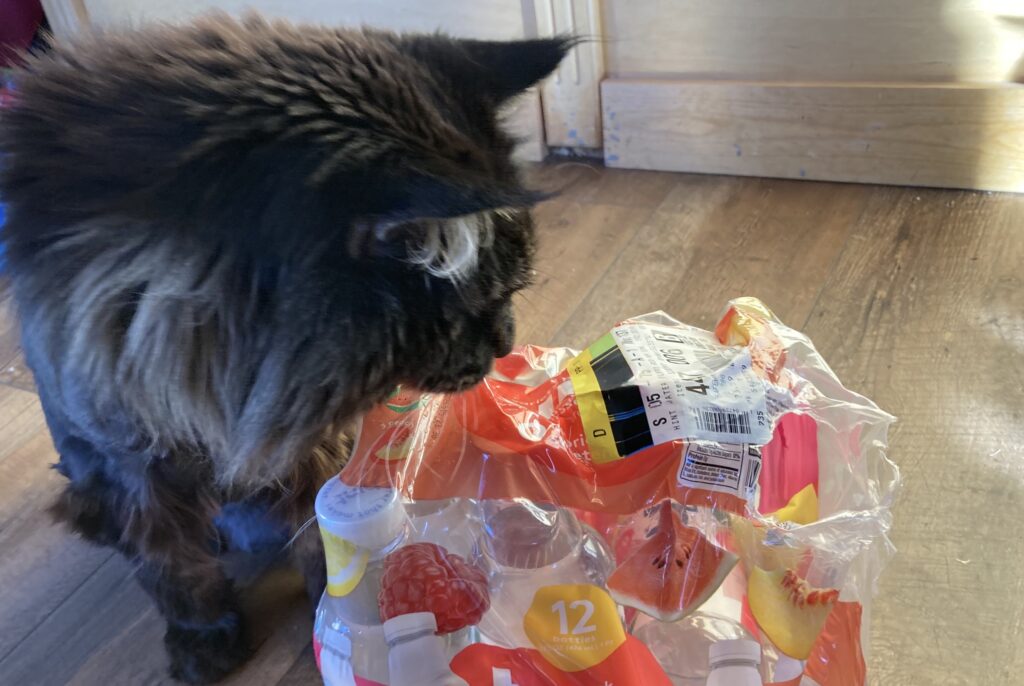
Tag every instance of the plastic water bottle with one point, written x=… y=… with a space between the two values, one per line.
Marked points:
x=682 y=647
x=417 y=656
x=335 y=656
x=360 y=526
x=735 y=663
x=453 y=523
x=526 y=546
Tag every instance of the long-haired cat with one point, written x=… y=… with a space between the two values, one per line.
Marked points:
x=228 y=239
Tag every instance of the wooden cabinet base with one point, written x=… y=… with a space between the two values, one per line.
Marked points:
x=945 y=135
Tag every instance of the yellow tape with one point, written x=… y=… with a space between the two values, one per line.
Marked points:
x=597 y=427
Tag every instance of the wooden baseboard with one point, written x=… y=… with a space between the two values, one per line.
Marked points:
x=945 y=135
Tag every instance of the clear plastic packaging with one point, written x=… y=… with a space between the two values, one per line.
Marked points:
x=528 y=545
x=611 y=515
x=361 y=527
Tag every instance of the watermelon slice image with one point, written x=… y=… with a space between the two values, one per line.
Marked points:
x=790 y=611
x=673 y=572
x=395 y=444
x=402 y=401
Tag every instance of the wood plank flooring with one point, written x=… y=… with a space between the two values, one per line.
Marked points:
x=915 y=297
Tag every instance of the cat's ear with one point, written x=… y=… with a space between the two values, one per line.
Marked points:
x=510 y=67
x=499 y=69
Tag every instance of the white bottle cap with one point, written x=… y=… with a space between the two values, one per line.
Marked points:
x=368 y=517
x=412 y=624
x=739 y=649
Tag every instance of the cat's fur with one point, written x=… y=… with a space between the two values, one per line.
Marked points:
x=225 y=241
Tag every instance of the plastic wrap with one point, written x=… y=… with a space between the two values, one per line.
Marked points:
x=607 y=516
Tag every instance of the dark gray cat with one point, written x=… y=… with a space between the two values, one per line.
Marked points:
x=227 y=240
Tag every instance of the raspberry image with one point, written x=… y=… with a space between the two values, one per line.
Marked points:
x=424 y=577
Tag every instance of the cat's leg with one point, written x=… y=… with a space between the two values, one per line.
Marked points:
x=159 y=517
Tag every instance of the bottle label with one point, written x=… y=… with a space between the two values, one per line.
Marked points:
x=721 y=467
x=346 y=564
x=644 y=385
x=574 y=626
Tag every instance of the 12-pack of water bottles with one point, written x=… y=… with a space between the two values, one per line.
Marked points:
x=669 y=506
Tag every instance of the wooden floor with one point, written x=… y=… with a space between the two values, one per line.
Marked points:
x=916 y=298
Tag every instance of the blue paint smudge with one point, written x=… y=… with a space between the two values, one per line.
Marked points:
x=611 y=115
x=572 y=133
x=614 y=137
x=739 y=150
x=803 y=173
x=612 y=158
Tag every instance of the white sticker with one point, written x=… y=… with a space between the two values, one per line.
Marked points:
x=693 y=386
x=725 y=468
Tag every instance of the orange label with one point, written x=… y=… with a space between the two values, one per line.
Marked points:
x=630 y=665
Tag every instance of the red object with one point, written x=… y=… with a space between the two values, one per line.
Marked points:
x=789 y=462
x=837 y=658
x=19 y=21
x=520 y=434
x=631 y=664
x=424 y=577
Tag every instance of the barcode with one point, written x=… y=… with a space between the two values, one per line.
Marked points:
x=722 y=422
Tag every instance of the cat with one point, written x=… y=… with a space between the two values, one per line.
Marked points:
x=226 y=240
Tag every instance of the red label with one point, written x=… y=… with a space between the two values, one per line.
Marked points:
x=631 y=663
